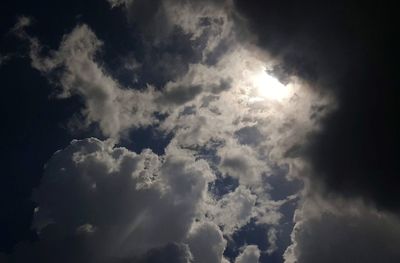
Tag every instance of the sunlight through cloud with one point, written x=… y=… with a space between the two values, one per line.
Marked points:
x=268 y=87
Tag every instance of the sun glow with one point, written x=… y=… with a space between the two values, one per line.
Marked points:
x=268 y=87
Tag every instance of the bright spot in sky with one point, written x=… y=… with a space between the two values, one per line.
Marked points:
x=269 y=87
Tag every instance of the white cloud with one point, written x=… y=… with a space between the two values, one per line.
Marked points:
x=234 y=210
x=250 y=254
x=272 y=239
x=74 y=70
x=240 y=161
x=206 y=243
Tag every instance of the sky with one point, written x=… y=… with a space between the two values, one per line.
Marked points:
x=213 y=131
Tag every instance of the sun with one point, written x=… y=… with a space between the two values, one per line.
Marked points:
x=268 y=87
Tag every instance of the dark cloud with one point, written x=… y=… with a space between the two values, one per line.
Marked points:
x=76 y=249
x=348 y=48
x=349 y=235
x=180 y=95
x=171 y=253
x=224 y=85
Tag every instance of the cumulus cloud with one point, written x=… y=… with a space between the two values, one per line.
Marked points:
x=119 y=203
x=338 y=230
x=206 y=243
x=241 y=162
x=250 y=254
x=234 y=209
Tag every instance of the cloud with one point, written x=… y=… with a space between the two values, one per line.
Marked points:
x=178 y=33
x=118 y=202
x=250 y=254
x=341 y=52
x=234 y=210
x=180 y=95
x=116 y=3
x=74 y=70
x=349 y=161
x=170 y=253
x=340 y=231
x=272 y=240
x=242 y=163
x=22 y=23
x=206 y=243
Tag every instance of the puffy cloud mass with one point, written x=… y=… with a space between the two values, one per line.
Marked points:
x=207 y=243
x=118 y=203
x=250 y=254
x=354 y=231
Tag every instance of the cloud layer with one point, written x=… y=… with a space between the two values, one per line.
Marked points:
x=221 y=125
x=206 y=81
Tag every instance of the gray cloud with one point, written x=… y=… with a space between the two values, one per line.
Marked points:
x=345 y=49
x=116 y=203
x=180 y=95
x=116 y=3
x=337 y=230
x=250 y=254
x=74 y=71
x=207 y=243
x=175 y=253
x=234 y=210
